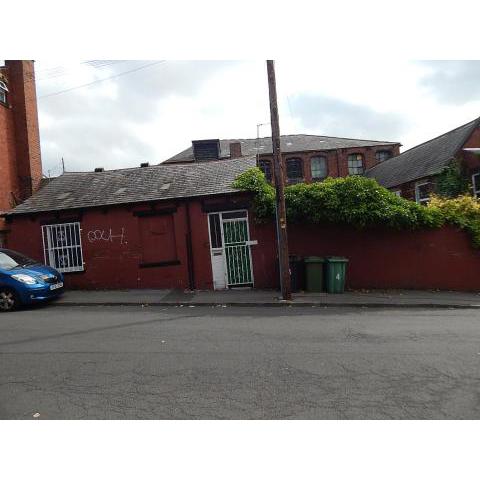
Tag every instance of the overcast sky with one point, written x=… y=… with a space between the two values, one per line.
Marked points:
x=155 y=111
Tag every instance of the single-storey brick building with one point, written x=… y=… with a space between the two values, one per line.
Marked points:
x=146 y=227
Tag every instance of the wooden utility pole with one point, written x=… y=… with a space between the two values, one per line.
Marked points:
x=279 y=187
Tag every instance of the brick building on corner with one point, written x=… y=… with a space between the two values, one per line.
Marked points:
x=414 y=173
x=20 y=160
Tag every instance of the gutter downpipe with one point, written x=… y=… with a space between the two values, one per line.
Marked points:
x=191 y=271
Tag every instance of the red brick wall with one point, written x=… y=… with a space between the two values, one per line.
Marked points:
x=431 y=259
x=115 y=263
x=20 y=162
x=8 y=173
x=384 y=259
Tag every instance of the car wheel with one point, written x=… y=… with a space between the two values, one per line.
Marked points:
x=8 y=300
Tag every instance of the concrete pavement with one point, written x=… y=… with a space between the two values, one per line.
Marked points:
x=271 y=298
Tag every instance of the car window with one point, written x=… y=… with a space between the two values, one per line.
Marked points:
x=10 y=259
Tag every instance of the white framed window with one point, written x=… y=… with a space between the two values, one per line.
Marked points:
x=318 y=167
x=398 y=193
x=62 y=246
x=422 y=192
x=476 y=185
x=355 y=164
x=3 y=92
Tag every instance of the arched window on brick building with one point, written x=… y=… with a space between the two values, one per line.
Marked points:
x=294 y=170
x=318 y=168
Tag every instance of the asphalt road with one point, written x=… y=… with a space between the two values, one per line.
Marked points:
x=239 y=363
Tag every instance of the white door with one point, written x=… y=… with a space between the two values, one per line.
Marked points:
x=230 y=249
x=218 y=270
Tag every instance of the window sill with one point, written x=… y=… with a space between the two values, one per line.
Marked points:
x=72 y=273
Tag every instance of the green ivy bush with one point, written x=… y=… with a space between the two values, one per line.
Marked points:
x=357 y=201
x=452 y=181
x=253 y=180
x=463 y=211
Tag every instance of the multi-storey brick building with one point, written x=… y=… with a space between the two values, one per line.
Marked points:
x=20 y=161
x=307 y=157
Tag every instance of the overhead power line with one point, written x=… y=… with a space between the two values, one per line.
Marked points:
x=88 y=63
x=101 y=63
x=102 y=79
x=62 y=71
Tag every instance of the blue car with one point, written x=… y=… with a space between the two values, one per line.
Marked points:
x=24 y=281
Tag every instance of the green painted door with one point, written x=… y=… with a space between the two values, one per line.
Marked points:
x=237 y=252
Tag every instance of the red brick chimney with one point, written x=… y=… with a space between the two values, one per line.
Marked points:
x=22 y=100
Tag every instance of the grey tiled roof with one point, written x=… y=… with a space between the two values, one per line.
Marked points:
x=130 y=185
x=426 y=159
x=289 y=143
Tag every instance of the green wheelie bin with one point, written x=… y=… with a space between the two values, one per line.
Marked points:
x=335 y=274
x=314 y=274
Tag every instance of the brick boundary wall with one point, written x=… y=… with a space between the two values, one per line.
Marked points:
x=441 y=259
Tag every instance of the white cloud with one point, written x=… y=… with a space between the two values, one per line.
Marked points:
x=151 y=114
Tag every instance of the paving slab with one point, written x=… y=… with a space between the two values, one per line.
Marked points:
x=250 y=297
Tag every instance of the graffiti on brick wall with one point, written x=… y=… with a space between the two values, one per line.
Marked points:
x=107 y=235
